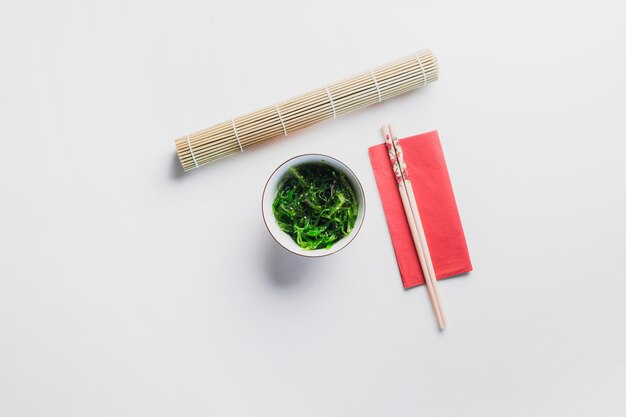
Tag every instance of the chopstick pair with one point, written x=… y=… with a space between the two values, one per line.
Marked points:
x=411 y=211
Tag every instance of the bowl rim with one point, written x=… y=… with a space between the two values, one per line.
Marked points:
x=265 y=220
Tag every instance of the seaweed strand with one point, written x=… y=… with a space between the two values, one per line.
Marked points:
x=315 y=205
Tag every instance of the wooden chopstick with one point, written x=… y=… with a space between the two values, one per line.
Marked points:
x=426 y=259
x=415 y=224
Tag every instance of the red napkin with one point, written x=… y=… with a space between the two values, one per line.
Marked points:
x=437 y=206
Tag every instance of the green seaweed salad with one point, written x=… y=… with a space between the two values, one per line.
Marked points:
x=315 y=205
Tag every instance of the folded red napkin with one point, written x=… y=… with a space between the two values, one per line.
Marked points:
x=437 y=206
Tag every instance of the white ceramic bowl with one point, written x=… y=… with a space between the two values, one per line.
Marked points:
x=271 y=189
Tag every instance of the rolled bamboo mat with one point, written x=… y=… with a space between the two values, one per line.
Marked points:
x=280 y=119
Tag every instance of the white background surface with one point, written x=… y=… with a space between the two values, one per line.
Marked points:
x=130 y=289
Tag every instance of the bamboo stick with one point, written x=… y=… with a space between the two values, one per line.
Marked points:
x=364 y=89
